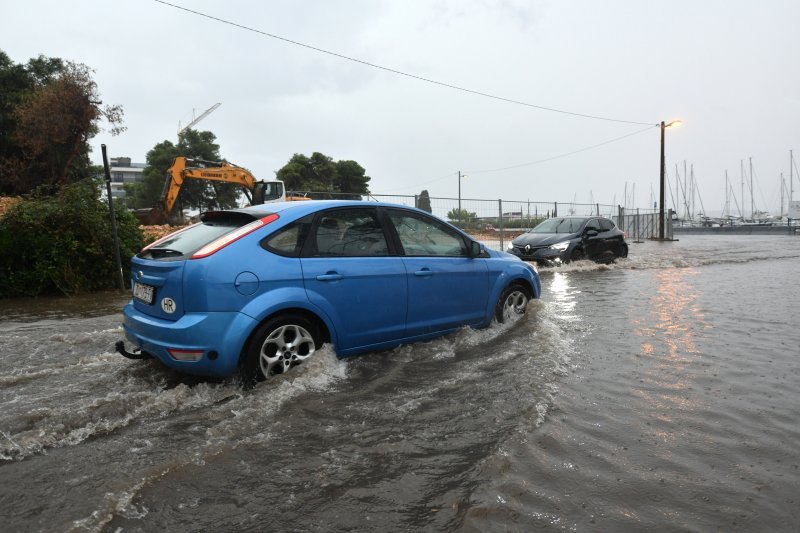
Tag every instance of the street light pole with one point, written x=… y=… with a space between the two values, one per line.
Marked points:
x=662 y=174
x=661 y=188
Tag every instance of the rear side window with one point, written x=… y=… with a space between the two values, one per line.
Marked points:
x=348 y=233
x=289 y=241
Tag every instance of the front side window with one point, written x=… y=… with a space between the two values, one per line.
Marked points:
x=349 y=233
x=426 y=237
x=593 y=224
x=606 y=224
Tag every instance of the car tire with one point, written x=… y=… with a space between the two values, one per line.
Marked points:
x=623 y=250
x=576 y=255
x=512 y=303
x=278 y=345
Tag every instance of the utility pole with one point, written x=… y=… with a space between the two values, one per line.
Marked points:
x=752 y=194
x=662 y=181
x=459 y=195
x=661 y=188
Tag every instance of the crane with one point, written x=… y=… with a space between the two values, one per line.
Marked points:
x=203 y=115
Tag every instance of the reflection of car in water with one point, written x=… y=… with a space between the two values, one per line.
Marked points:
x=258 y=290
x=564 y=239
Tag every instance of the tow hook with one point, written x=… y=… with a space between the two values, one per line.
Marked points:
x=136 y=354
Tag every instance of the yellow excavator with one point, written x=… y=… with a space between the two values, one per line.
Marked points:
x=183 y=168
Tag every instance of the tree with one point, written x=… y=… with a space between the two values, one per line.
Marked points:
x=51 y=109
x=17 y=80
x=195 y=193
x=424 y=201
x=462 y=218
x=321 y=174
x=351 y=178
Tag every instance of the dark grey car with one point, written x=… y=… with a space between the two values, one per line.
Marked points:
x=564 y=239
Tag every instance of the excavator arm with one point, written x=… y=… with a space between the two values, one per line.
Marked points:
x=205 y=170
x=183 y=168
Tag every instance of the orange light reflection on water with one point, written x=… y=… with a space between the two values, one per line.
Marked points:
x=669 y=327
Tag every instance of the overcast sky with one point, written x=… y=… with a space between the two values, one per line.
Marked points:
x=728 y=69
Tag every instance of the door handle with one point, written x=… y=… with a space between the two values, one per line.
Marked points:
x=330 y=276
x=424 y=273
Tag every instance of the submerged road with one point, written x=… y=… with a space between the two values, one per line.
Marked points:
x=660 y=393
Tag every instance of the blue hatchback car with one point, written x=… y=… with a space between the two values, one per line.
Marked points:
x=259 y=290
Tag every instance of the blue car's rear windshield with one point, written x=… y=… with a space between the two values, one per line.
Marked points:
x=560 y=225
x=184 y=243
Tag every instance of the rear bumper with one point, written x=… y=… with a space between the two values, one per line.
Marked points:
x=220 y=336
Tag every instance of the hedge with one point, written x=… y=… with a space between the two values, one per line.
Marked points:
x=63 y=243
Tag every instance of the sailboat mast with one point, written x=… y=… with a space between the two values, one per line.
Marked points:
x=726 y=212
x=783 y=186
x=741 y=172
x=686 y=191
x=625 y=201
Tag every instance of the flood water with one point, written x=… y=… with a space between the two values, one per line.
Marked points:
x=658 y=394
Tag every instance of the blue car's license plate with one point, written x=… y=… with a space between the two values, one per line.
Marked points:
x=143 y=293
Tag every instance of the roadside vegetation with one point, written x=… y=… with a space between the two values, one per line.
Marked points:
x=62 y=243
x=55 y=232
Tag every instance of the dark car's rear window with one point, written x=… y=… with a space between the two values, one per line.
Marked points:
x=184 y=243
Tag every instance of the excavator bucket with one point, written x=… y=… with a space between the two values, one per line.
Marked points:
x=151 y=216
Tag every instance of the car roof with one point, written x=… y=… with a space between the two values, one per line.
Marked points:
x=304 y=208
x=579 y=216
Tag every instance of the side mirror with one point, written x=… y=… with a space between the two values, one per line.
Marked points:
x=591 y=233
x=475 y=249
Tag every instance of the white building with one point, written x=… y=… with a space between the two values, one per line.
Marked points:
x=122 y=172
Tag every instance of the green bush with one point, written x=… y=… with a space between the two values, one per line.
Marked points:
x=64 y=243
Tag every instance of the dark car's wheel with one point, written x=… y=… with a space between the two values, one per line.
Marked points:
x=623 y=250
x=278 y=345
x=577 y=255
x=512 y=303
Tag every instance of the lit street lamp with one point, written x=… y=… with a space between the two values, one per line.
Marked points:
x=663 y=180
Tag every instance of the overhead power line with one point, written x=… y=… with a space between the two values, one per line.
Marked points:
x=450 y=174
x=398 y=72
x=563 y=155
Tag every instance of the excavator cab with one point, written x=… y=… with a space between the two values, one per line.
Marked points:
x=267 y=191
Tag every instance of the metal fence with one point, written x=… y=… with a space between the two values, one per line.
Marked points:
x=495 y=222
x=640 y=224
